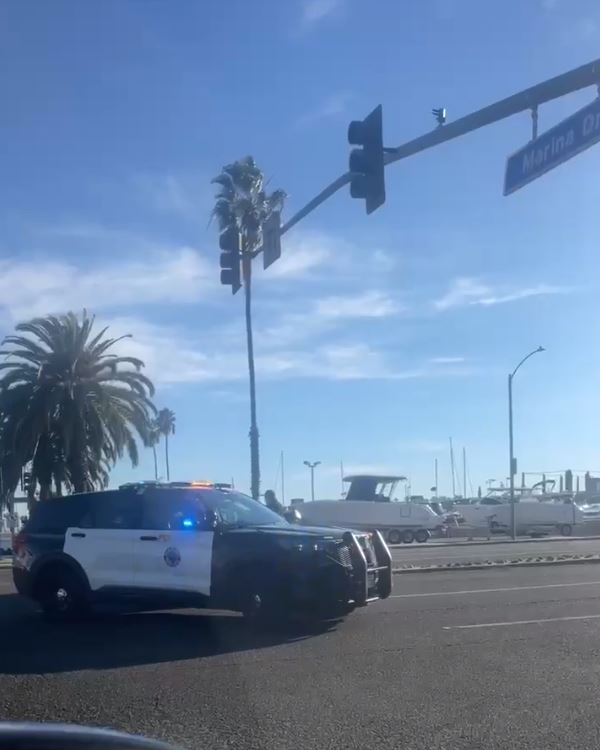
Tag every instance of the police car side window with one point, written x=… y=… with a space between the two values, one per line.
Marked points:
x=116 y=510
x=57 y=515
x=172 y=511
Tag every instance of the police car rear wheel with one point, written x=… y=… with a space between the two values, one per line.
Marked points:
x=62 y=595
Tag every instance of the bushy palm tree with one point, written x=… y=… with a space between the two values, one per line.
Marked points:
x=165 y=423
x=69 y=405
x=242 y=203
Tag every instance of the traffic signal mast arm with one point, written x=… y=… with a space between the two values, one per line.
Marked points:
x=531 y=98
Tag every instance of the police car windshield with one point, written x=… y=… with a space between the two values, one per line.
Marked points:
x=233 y=509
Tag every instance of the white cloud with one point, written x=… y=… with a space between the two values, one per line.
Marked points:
x=37 y=287
x=322 y=316
x=316 y=10
x=470 y=291
x=370 y=304
x=172 y=356
x=301 y=254
x=446 y=360
x=333 y=106
x=462 y=291
x=517 y=294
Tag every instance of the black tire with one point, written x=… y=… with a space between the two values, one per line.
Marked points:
x=62 y=594
x=565 y=529
x=408 y=537
x=421 y=536
x=260 y=603
x=394 y=536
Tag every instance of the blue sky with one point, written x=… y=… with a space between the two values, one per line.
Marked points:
x=377 y=337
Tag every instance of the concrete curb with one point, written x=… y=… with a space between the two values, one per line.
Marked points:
x=486 y=542
x=496 y=564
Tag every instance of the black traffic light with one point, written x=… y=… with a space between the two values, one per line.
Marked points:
x=27 y=481
x=229 y=242
x=366 y=163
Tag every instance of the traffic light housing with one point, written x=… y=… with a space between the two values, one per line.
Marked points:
x=231 y=275
x=367 y=163
x=27 y=481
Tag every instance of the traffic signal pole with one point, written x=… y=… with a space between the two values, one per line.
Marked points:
x=566 y=83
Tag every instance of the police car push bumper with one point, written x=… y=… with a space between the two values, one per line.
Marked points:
x=371 y=582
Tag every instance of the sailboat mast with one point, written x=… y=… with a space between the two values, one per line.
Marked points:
x=452 y=468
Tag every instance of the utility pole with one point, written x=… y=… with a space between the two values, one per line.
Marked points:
x=282 y=480
x=464 y=473
x=312 y=465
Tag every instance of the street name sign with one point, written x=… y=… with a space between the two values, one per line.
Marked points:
x=271 y=239
x=571 y=136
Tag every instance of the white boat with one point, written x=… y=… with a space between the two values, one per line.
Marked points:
x=368 y=504
x=545 y=512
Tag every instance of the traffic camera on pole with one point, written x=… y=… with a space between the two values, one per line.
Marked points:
x=229 y=242
x=440 y=115
x=366 y=163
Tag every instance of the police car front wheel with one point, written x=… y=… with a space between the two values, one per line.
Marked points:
x=61 y=594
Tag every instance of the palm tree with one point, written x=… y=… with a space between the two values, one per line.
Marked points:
x=243 y=204
x=166 y=426
x=70 y=406
x=154 y=440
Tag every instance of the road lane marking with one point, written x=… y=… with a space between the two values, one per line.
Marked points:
x=486 y=556
x=490 y=591
x=520 y=622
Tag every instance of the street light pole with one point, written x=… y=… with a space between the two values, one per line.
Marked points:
x=511 y=465
x=311 y=466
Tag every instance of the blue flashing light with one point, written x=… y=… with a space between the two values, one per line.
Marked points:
x=188 y=523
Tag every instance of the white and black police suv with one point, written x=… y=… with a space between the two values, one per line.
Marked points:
x=190 y=544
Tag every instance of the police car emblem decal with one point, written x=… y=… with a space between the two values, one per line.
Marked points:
x=172 y=557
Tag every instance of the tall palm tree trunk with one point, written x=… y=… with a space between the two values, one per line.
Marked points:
x=167 y=456
x=155 y=462
x=254 y=451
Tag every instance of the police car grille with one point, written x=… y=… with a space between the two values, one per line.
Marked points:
x=344 y=555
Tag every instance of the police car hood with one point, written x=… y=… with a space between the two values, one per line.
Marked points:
x=293 y=530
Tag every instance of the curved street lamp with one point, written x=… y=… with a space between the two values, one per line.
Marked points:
x=512 y=467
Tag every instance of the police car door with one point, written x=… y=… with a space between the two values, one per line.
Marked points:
x=174 y=548
x=102 y=541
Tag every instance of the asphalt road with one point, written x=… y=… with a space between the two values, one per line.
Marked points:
x=497 y=659
x=440 y=554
